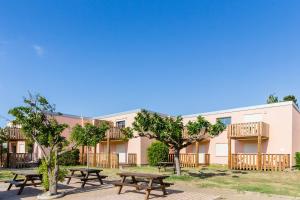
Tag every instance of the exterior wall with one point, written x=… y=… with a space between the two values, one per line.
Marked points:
x=278 y=116
x=135 y=145
x=296 y=134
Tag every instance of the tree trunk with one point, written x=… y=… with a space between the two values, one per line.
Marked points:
x=177 y=162
x=53 y=175
x=87 y=157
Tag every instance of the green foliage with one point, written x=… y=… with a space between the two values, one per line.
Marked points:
x=272 y=99
x=43 y=169
x=157 y=152
x=89 y=135
x=297 y=157
x=290 y=98
x=69 y=158
x=37 y=122
x=3 y=135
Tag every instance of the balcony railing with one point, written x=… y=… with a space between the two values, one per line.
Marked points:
x=15 y=134
x=252 y=129
x=115 y=133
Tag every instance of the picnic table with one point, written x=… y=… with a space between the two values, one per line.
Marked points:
x=85 y=175
x=30 y=176
x=143 y=181
x=165 y=165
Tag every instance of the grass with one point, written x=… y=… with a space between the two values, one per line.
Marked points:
x=217 y=176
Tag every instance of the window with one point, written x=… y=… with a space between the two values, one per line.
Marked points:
x=225 y=120
x=120 y=124
x=221 y=149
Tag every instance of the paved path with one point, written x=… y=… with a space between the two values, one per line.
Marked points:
x=180 y=191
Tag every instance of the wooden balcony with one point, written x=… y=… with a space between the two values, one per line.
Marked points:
x=248 y=130
x=15 y=134
x=114 y=133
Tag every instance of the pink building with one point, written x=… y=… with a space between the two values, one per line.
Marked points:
x=266 y=134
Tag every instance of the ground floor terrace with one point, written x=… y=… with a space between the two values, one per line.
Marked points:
x=202 y=183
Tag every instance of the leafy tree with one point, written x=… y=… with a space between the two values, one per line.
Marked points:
x=272 y=99
x=172 y=132
x=88 y=135
x=290 y=98
x=38 y=123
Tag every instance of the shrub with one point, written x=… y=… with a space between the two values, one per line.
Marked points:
x=297 y=157
x=45 y=180
x=69 y=158
x=157 y=152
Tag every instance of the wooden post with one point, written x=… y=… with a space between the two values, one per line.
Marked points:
x=7 y=157
x=197 y=154
x=1 y=158
x=94 y=156
x=81 y=155
x=259 y=147
x=229 y=153
x=108 y=148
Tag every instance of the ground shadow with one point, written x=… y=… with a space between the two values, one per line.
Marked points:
x=204 y=175
x=153 y=195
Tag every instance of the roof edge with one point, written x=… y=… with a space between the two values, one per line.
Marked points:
x=244 y=108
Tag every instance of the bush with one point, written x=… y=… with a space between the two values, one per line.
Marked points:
x=297 y=157
x=44 y=171
x=69 y=158
x=157 y=152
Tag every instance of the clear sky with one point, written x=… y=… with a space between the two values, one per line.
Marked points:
x=176 y=57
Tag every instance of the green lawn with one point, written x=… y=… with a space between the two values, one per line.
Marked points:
x=216 y=176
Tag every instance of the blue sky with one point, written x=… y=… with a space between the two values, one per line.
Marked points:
x=176 y=57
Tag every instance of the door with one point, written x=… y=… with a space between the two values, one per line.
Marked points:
x=121 y=150
x=201 y=154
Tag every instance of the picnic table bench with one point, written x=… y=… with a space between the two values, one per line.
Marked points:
x=85 y=175
x=30 y=176
x=143 y=181
x=166 y=165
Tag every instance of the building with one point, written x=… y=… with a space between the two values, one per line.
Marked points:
x=263 y=137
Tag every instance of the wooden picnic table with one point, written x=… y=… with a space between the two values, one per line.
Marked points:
x=143 y=181
x=30 y=176
x=85 y=175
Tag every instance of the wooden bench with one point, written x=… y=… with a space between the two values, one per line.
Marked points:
x=151 y=182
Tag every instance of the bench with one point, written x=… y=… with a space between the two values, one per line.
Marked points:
x=85 y=175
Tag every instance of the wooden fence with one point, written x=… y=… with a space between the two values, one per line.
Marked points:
x=15 y=160
x=190 y=159
x=101 y=160
x=269 y=162
x=248 y=129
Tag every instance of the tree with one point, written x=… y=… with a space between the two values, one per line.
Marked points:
x=38 y=123
x=290 y=98
x=88 y=135
x=272 y=99
x=4 y=136
x=172 y=132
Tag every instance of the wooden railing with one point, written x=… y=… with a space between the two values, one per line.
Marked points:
x=132 y=159
x=269 y=162
x=115 y=133
x=190 y=159
x=248 y=130
x=15 y=160
x=101 y=160
x=15 y=134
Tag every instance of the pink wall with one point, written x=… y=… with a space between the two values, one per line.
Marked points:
x=279 y=118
